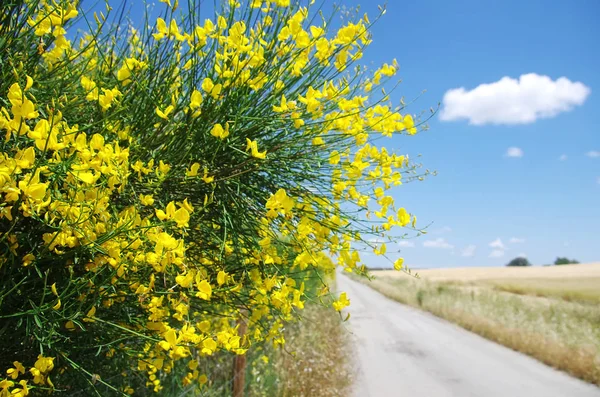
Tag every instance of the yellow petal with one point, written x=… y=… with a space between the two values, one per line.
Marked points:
x=398 y=263
x=171 y=337
x=221 y=277
x=29 y=83
x=182 y=217
x=86 y=177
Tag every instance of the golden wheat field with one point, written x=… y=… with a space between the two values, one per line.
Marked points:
x=587 y=270
x=579 y=282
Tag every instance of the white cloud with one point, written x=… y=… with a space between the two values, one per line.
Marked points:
x=522 y=255
x=514 y=152
x=406 y=243
x=497 y=254
x=593 y=154
x=516 y=240
x=438 y=243
x=442 y=230
x=468 y=251
x=512 y=101
x=563 y=157
x=497 y=243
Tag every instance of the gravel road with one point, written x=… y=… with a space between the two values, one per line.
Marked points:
x=401 y=351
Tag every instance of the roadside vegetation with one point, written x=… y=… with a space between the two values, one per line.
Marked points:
x=317 y=359
x=175 y=189
x=555 y=320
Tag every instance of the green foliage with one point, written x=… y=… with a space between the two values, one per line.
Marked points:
x=519 y=261
x=565 y=261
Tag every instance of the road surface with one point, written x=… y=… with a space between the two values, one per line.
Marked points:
x=401 y=351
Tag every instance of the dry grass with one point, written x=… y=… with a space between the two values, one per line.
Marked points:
x=563 y=334
x=315 y=361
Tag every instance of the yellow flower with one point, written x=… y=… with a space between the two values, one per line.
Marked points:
x=334 y=157
x=85 y=176
x=398 y=263
x=403 y=217
x=204 y=288
x=161 y=27
x=317 y=141
x=211 y=88
x=193 y=170
x=13 y=373
x=284 y=106
x=146 y=199
x=44 y=364
x=219 y=132
x=409 y=124
x=164 y=114
x=380 y=250
x=341 y=303
x=195 y=100
x=89 y=317
x=107 y=98
x=185 y=280
x=253 y=147
x=181 y=217
x=170 y=340
x=209 y=346
x=206 y=178
x=221 y=277
x=28 y=259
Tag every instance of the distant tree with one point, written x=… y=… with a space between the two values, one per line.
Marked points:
x=565 y=261
x=520 y=261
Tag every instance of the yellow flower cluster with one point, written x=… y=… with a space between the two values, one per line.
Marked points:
x=157 y=193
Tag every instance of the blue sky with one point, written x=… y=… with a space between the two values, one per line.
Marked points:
x=482 y=199
x=544 y=195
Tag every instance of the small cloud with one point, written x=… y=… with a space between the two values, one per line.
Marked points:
x=442 y=230
x=438 y=243
x=468 y=251
x=522 y=255
x=516 y=240
x=406 y=244
x=497 y=254
x=514 y=152
x=510 y=101
x=497 y=243
x=563 y=157
x=593 y=154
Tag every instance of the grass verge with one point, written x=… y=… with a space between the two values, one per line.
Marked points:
x=314 y=361
x=560 y=333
